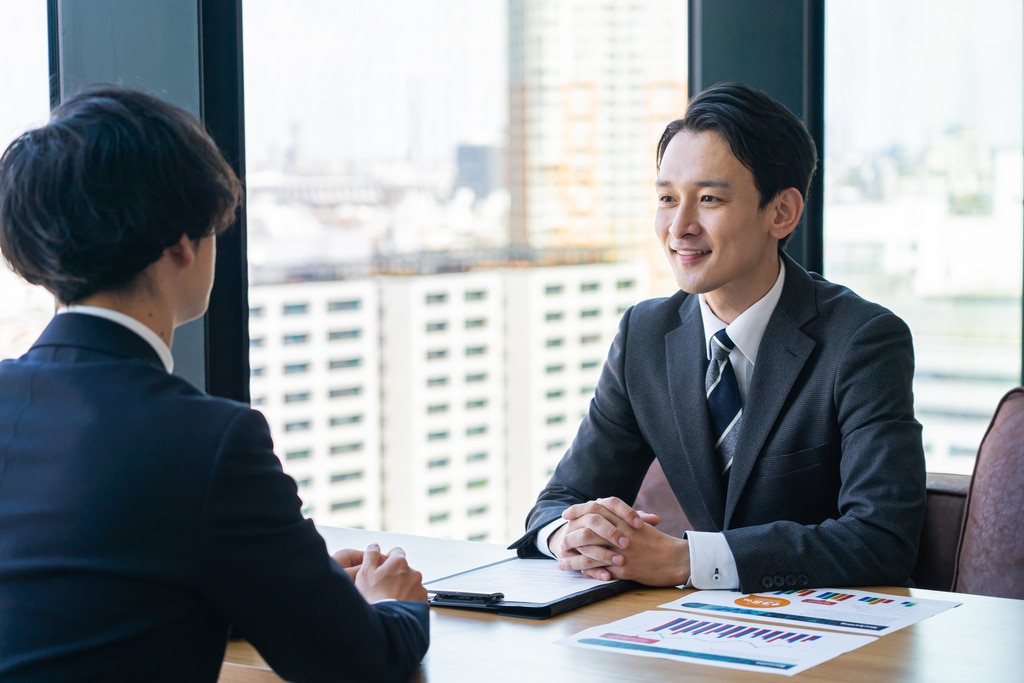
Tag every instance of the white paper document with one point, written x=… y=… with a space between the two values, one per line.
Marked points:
x=843 y=609
x=698 y=639
x=528 y=581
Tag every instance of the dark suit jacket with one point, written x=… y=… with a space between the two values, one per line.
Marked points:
x=140 y=517
x=827 y=485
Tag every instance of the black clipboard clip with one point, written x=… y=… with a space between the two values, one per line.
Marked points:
x=460 y=599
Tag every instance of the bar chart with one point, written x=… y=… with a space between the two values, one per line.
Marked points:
x=682 y=627
x=718 y=642
x=848 y=610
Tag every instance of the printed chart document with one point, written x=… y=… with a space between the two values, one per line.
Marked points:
x=843 y=609
x=718 y=642
x=522 y=588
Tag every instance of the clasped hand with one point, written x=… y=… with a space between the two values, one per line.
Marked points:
x=382 y=576
x=607 y=539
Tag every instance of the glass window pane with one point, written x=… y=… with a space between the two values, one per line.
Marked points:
x=24 y=73
x=923 y=191
x=422 y=177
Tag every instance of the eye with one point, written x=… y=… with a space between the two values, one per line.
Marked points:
x=708 y=199
x=665 y=199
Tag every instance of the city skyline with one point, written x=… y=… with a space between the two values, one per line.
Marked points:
x=905 y=183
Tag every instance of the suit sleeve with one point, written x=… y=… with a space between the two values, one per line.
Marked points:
x=609 y=455
x=874 y=538
x=268 y=571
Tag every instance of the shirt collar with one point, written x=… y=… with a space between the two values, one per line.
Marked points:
x=151 y=337
x=748 y=328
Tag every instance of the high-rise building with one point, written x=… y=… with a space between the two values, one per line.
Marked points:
x=561 y=321
x=434 y=404
x=592 y=85
x=443 y=404
x=314 y=356
x=481 y=168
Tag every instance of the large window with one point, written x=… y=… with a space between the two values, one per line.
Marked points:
x=923 y=194
x=437 y=188
x=24 y=309
x=420 y=177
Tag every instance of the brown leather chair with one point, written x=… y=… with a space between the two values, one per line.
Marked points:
x=990 y=555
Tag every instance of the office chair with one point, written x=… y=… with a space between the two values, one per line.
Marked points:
x=990 y=554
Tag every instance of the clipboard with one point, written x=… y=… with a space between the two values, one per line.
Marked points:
x=517 y=587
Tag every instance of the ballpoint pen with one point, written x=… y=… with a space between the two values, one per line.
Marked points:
x=462 y=598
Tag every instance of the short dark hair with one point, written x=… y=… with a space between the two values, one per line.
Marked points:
x=762 y=133
x=116 y=176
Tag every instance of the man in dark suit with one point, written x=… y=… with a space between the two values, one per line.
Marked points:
x=794 y=454
x=140 y=517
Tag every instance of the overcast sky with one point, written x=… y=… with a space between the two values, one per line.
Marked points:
x=360 y=79
x=374 y=79
x=904 y=71
x=392 y=79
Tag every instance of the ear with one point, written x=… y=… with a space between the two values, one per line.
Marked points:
x=182 y=253
x=786 y=209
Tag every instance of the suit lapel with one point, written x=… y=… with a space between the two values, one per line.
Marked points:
x=685 y=364
x=781 y=357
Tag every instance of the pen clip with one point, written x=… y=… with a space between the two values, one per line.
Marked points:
x=460 y=598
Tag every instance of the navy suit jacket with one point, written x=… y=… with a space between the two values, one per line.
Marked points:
x=139 y=517
x=827 y=486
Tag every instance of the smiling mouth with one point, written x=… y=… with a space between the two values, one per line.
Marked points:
x=692 y=252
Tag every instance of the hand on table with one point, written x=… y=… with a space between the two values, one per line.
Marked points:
x=379 y=576
x=607 y=539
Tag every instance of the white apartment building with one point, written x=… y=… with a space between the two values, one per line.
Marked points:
x=561 y=322
x=315 y=360
x=433 y=404
x=443 y=404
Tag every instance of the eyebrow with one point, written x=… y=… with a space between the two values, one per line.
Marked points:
x=700 y=183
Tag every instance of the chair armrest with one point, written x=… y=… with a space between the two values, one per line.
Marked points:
x=943 y=518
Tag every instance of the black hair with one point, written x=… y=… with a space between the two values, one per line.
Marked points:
x=762 y=133
x=116 y=176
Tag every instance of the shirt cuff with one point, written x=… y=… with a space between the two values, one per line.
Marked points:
x=544 y=535
x=712 y=565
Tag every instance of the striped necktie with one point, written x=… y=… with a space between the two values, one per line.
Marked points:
x=723 y=397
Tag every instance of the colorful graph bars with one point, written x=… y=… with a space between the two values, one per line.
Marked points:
x=694 y=627
x=875 y=600
x=839 y=597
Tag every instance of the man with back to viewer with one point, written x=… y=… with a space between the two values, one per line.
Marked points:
x=140 y=517
x=814 y=475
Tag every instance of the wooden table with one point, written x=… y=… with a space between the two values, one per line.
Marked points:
x=977 y=642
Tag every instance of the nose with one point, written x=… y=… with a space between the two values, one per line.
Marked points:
x=684 y=221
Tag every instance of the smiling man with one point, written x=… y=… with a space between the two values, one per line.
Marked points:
x=778 y=404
